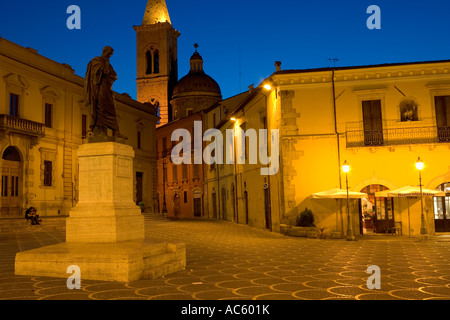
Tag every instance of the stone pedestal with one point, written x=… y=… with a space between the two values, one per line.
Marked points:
x=105 y=211
x=105 y=230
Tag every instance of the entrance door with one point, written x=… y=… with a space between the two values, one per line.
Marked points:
x=224 y=204
x=267 y=209
x=442 y=209
x=10 y=189
x=197 y=207
x=214 y=205
x=246 y=206
x=377 y=212
x=11 y=183
x=176 y=205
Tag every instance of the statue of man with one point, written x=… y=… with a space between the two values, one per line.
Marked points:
x=99 y=95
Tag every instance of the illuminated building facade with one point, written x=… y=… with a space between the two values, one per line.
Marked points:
x=43 y=121
x=379 y=119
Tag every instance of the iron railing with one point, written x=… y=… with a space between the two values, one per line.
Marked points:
x=397 y=136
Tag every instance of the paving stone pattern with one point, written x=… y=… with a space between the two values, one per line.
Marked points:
x=228 y=261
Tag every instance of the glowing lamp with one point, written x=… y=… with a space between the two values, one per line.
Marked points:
x=345 y=167
x=419 y=164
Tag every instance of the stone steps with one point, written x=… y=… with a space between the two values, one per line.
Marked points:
x=20 y=225
x=164 y=269
x=164 y=259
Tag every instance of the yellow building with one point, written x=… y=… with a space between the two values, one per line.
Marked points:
x=378 y=118
x=43 y=121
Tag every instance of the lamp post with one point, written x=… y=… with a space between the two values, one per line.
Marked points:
x=350 y=235
x=423 y=224
x=236 y=213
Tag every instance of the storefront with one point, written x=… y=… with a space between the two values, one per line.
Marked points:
x=442 y=209
x=377 y=213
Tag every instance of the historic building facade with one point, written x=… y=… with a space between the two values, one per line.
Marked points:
x=43 y=121
x=380 y=119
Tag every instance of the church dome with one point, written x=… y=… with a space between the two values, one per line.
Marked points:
x=197 y=82
x=194 y=92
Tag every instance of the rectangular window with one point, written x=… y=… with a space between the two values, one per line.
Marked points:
x=48 y=115
x=442 y=106
x=13 y=105
x=185 y=197
x=372 y=122
x=48 y=166
x=185 y=171
x=175 y=173
x=196 y=171
x=83 y=126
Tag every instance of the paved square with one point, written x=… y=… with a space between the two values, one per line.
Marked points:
x=228 y=261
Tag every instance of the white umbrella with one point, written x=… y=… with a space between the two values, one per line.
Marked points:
x=338 y=194
x=409 y=191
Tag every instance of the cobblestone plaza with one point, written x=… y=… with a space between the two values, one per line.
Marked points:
x=228 y=261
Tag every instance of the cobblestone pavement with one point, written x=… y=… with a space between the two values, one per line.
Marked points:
x=227 y=261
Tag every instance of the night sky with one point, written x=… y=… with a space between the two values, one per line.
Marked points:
x=239 y=39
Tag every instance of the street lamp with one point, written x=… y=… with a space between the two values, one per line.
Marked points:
x=423 y=225
x=350 y=236
x=236 y=206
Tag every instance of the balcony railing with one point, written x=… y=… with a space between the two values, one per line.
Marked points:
x=18 y=125
x=397 y=136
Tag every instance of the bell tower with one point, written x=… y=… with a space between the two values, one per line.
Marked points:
x=157 y=65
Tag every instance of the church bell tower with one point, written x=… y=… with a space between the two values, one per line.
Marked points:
x=157 y=66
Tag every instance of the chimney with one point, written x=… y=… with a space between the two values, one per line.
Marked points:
x=250 y=88
x=277 y=66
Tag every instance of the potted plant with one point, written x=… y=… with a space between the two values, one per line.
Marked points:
x=304 y=226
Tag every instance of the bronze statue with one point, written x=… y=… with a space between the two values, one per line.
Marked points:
x=99 y=96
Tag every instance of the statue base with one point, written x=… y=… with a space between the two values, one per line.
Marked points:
x=105 y=230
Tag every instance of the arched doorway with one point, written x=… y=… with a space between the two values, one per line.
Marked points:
x=442 y=209
x=233 y=197
x=377 y=213
x=176 y=205
x=224 y=203
x=11 y=188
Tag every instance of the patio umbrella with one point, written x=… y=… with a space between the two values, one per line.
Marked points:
x=409 y=191
x=338 y=194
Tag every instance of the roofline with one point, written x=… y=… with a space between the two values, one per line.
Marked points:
x=357 y=67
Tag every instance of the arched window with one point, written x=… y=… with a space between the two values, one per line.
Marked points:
x=149 y=62
x=156 y=61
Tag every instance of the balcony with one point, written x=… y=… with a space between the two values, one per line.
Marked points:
x=396 y=133
x=10 y=124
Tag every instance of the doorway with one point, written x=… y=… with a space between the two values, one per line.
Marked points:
x=224 y=203
x=11 y=183
x=197 y=207
x=267 y=209
x=377 y=213
x=442 y=209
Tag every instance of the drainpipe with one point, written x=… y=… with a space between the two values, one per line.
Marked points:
x=335 y=129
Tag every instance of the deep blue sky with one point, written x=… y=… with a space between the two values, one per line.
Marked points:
x=239 y=39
